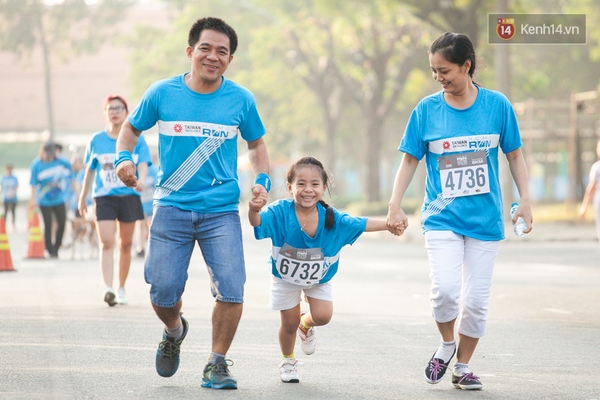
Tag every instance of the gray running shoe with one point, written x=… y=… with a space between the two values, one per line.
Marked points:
x=217 y=376
x=167 y=355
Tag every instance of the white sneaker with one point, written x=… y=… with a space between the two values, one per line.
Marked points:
x=109 y=296
x=121 y=296
x=288 y=370
x=308 y=340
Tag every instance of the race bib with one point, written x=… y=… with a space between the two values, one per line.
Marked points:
x=464 y=174
x=109 y=177
x=302 y=267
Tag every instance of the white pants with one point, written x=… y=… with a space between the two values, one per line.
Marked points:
x=461 y=271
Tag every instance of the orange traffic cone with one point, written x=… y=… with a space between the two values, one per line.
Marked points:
x=5 y=258
x=36 y=240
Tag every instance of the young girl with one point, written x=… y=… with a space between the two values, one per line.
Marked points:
x=307 y=236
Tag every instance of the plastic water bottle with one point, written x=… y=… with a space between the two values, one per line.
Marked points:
x=520 y=225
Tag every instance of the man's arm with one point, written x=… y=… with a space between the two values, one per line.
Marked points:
x=259 y=160
x=126 y=142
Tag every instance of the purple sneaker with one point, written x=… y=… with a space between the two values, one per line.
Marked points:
x=467 y=382
x=436 y=369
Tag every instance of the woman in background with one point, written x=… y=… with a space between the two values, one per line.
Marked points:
x=117 y=207
x=50 y=181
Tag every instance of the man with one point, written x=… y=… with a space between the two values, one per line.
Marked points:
x=199 y=116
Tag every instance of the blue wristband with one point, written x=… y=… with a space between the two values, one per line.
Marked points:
x=123 y=155
x=264 y=180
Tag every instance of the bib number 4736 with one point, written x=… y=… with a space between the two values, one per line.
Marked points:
x=464 y=174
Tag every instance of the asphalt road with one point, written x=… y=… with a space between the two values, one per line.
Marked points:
x=58 y=340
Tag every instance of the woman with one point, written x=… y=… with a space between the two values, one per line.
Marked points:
x=460 y=130
x=114 y=203
x=9 y=186
x=592 y=192
x=50 y=177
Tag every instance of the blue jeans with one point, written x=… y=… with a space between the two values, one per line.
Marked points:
x=173 y=234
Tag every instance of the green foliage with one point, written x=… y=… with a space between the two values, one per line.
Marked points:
x=19 y=154
x=312 y=60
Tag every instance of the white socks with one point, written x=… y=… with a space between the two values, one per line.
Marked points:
x=460 y=369
x=446 y=351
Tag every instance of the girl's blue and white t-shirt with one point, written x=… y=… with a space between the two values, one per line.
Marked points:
x=100 y=154
x=51 y=180
x=461 y=147
x=198 y=142
x=306 y=260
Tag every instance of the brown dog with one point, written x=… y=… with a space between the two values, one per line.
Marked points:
x=83 y=238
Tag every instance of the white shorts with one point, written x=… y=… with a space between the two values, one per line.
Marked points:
x=461 y=271
x=285 y=295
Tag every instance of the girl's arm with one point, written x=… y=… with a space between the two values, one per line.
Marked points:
x=258 y=201
x=375 y=225
x=254 y=217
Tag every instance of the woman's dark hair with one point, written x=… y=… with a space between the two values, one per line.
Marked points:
x=311 y=161
x=214 y=24
x=457 y=48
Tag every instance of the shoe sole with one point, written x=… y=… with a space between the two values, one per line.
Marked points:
x=293 y=380
x=110 y=299
x=207 y=384
x=432 y=382
x=468 y=387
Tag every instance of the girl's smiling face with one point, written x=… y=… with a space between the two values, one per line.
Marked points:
x=307 y=188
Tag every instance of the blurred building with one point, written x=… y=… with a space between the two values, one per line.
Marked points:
x=79 y=87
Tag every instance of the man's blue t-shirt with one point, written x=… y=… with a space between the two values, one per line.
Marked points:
x=198 y=142
x=436 y=130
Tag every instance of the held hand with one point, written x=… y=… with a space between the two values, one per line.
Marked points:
x=140 y=187
x=398 y=229
x=396 y=221
x=259 y=198
x=126 y=173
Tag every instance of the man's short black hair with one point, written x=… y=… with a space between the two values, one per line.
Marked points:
x=215 y=24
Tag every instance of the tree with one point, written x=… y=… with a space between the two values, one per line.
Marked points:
x=461 y=16
x=357 y=51
x=60 y=31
